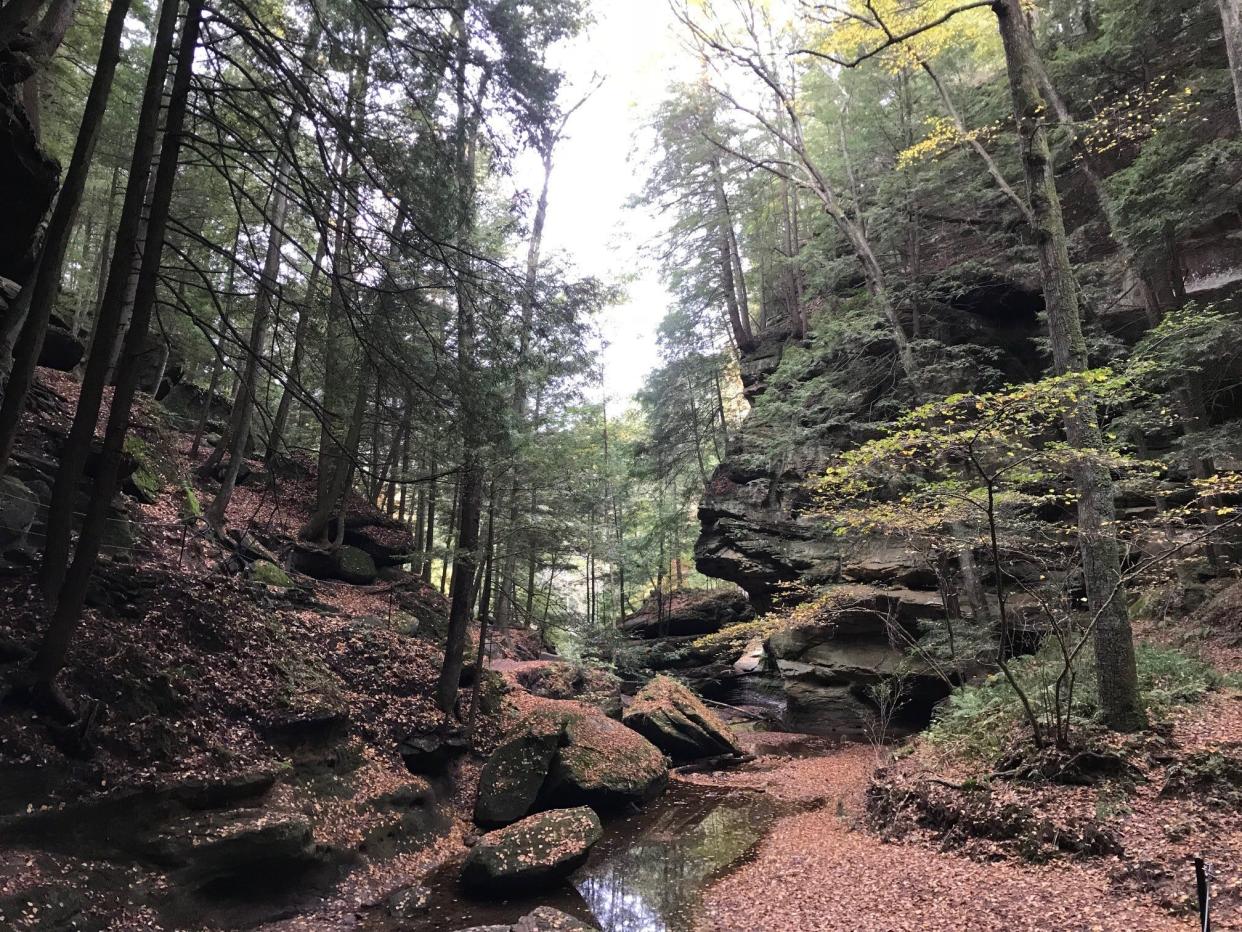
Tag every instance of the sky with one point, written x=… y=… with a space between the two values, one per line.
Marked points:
x=598 y=167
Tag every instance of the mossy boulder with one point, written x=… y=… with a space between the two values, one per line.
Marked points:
x=348 y=564
x=512 y=777
x=567 y=754
x=536 y=853
x=146 y=481
x=678 y=723
x=603 y=764
x=269 y=574
x=355 y=566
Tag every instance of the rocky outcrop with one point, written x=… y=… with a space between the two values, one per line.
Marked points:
x=832 y=666
x=28 y=181
x=568 y=755
x=561 y=679
x=532 y=854
x=688 y=611
x=678 y=723
x=540 y=919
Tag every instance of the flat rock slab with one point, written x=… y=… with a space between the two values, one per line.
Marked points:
x=537 y=852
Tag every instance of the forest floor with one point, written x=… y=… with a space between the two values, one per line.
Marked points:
x=829 y=868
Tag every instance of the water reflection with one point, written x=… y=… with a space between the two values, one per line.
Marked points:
x=654 y=868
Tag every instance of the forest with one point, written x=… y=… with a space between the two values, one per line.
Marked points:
x=649 y=467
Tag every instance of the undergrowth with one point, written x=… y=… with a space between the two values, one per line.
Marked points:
x=979 y=721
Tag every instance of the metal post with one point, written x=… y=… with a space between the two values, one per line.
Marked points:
x=1205 y=895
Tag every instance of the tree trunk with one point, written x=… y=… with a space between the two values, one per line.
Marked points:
x=469 y=104
x=1114 y=644
x=243 y=405
x=51 y=655
x=34 y=304
x=276 y=437
x=107 y=324
x=1231 y=21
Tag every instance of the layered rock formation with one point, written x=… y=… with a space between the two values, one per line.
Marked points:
x=812 y=399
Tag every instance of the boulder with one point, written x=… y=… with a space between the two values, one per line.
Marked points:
x=513 y=776
x=547 y=919
x=208 y=846
x=567 y=754
x=561 y=679
x=348 y=564
x=678 y=723
x=61 y=350
x=538 y=852
x=269 y=574
x=605 y=765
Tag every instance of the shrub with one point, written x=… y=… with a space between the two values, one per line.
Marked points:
x=979 y=720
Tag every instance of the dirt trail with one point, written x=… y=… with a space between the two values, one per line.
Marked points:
x=820 y=871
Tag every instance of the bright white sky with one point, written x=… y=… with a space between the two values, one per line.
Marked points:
x=634 y=47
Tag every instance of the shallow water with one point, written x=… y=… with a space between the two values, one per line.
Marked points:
x=647 y=873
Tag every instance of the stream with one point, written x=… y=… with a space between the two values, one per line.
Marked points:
x=645 y=875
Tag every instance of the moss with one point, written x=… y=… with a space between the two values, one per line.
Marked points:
x=355 y=566
x=191 y=507
x=269 y=574
x=147 y=480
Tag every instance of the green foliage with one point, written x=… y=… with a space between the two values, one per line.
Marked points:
x=980 y=721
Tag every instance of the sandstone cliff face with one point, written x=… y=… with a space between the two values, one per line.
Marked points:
x=757 y=521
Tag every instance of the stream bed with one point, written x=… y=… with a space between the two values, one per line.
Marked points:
x=645 y=875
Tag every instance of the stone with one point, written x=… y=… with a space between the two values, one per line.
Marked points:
x=511 y=779
x=347 y=564
x=753 y=658
x=29 y=178
x=387 y=541
x=408 y=902
x=269 y=574
x=678 y=723
x=830 y=663
x=536 y=853
x=603 y=764
x=547 y=919
x=61 y=350
x=213 y=844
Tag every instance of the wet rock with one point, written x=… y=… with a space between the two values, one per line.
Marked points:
x=547 y=919
x=537 y=852
x=678 y=723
